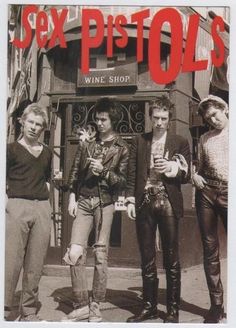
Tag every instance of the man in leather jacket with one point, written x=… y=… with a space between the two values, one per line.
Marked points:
x=97 y=177
x=158 y=164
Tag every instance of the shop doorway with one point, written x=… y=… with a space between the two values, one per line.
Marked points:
x=75 y=115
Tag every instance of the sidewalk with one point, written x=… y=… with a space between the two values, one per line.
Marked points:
x=123 y=295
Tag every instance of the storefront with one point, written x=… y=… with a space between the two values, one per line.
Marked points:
x=70 y=97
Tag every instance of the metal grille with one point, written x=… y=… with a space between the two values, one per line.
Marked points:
x=132 y=114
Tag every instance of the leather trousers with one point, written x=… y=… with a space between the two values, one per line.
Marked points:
x=160 y=213
x=211 y=203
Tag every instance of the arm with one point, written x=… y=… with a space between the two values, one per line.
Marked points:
x=72 y=207
x=131 y=180
x=73 y=181
x=197 y=178
x=184 y=162
x=49 y=170
x=115 y=176
x=131 y=176
x=74 y=172
x=198 y=181
x=179 y=165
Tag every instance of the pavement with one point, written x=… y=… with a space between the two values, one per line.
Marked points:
x=124 y=291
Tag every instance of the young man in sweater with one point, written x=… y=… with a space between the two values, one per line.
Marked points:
x=28 y=212
x=211 y=182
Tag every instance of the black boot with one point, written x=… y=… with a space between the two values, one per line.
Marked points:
x=173 y=277
x=215 y=314
x=149 y=310
x=172 y=316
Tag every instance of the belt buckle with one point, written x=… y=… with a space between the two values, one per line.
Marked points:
x=146 y=198
x=223 y=184
x=152 y=191
x=214 y=183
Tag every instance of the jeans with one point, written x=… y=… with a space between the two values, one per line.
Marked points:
x=27 y=238
x=152 y=214
x=89 y=215
x=211 y=203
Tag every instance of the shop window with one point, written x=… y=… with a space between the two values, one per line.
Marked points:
x=132 y=117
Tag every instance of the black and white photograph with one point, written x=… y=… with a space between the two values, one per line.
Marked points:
x=118 y=162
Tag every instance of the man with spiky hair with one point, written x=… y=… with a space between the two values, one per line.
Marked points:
x=159 y=162
x=97 y=176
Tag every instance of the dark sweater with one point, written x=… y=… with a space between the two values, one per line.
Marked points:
x=26 y=174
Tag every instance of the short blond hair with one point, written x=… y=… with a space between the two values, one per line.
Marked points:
x=37 y=110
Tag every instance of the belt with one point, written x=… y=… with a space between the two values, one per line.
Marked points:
x=216 y=183
x=154 y=190
x=159 y=192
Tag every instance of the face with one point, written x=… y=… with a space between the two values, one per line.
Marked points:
x=33 y=126
x=160 y=119
x=216 y=118
x=103 y=122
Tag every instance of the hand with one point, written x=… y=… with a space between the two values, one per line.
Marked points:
x=199 y=181
x=72 y=207
x=96 y=165
x=162 y=165
x=131 y=211
x=48 y=185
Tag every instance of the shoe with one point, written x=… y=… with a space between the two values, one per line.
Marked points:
x=7 y=312
x=30 y=317
x=172 y=317
x=94 y=313
x=77 y=314
x=215 y=314
x=148 y=312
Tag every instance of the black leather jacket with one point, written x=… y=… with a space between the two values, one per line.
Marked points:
x=116 y=161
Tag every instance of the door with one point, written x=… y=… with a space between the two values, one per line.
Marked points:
x=78 y=114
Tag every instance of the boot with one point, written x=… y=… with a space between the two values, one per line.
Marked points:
x=172 y=316
x=173 y=296
x=215 y=314
x=149 y=310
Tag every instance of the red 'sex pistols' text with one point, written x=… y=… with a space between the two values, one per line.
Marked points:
x=179 y=61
